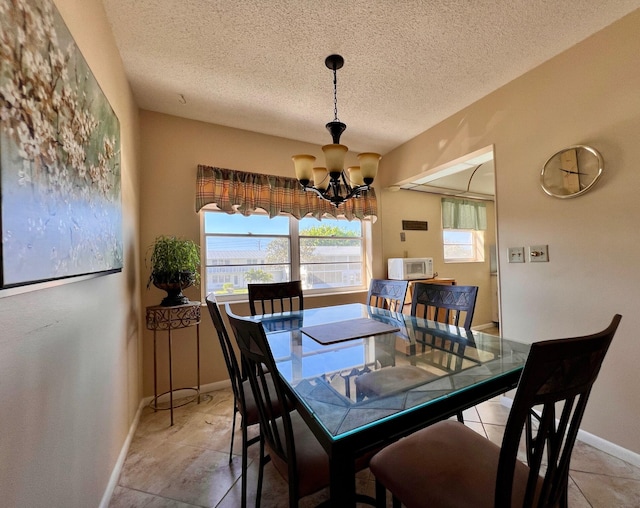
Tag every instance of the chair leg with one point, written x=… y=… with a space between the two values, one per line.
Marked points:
x=233 y=429
x=381 y=495
x=396 y=502
x=261 y=463
x=460 y=417
x=243 y=480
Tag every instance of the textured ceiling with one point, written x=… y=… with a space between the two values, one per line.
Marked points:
x=259 y=65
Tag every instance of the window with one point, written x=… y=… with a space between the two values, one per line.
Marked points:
x=463 y=245
x=239 y=250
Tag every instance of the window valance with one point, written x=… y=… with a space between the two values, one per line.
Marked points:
x=463 y=214
x=241 y=192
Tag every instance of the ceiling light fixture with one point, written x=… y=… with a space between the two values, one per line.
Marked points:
x=332 y=183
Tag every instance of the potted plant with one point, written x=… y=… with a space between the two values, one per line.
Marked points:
x=175 y=265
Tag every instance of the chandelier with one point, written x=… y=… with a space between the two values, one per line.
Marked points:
x=332 y=183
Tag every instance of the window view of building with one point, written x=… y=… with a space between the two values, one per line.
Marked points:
x=463 y=245
x=240 y=250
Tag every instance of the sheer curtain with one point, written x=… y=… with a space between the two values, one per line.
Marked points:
x=463 y=214
x=241 y=192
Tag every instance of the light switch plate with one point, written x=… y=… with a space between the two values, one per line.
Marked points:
x=516 y=254
x=538 y=253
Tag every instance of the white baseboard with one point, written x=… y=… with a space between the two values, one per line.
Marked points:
x=117 y=469
x=597 y=442
x=115 y=474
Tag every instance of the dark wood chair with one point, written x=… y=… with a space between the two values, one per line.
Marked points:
x=294 y=450
x=446 y=304
x=387 y=294
x=275 y=297
x=243 y=401
x=448 y=464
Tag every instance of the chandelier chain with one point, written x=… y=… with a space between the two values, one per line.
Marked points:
x=335 y=95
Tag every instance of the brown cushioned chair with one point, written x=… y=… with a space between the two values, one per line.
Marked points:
x=275 y=297
x=294 y=450
x=243 y=401
x=449 y=465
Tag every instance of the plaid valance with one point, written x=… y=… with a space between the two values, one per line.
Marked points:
x=241 y=192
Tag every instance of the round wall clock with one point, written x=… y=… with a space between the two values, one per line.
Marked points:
x=571 y=172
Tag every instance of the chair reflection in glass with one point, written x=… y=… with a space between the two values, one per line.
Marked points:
x=271 y=298
x=448 y=464
x=447 y=304
x=389 y=295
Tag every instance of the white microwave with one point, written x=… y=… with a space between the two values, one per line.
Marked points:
x=410 y=268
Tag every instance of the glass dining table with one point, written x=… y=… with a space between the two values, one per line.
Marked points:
x=362 y=377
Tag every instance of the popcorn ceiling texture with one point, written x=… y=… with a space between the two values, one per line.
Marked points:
x=259 y=65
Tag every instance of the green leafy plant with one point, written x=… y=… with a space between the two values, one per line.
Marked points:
x=257 y=275
x=174 y=260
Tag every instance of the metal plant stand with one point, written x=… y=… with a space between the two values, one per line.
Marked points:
x=160 y=318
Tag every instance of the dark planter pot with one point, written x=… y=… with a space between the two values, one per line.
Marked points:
x=173 y=284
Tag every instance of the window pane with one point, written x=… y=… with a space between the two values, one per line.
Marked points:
x=330 y=250
x=463 y=245
x=329 y=227
x=458 y=237
x=458 y=252
x=330 y=253
x=218 y=222
x=228 y=280
x=241 y=250
x=330 y=275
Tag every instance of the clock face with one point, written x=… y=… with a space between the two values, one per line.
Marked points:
x=571 y=172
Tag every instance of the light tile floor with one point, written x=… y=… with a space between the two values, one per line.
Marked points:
x=187 y=465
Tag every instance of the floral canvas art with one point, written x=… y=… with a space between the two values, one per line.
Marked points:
x=61 y=213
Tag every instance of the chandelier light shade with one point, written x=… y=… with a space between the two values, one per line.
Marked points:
x=331 y=182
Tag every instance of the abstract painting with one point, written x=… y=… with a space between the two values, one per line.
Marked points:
x=61 y=213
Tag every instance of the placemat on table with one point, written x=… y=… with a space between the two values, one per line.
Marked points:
x=339 y=331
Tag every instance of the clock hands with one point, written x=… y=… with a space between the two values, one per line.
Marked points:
x=572 y=172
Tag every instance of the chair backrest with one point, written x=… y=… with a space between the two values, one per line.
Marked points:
x=448 y=304
x=387 y=294
x=230 y=358
x=275 y=297
x=257 y=360
x=556 y=380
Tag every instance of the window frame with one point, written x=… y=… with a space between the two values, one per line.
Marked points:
x=294 y=255
x=477 y=245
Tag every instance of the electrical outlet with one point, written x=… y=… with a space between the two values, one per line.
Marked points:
x=402 y=237
x=538 y=253
x=516 y=254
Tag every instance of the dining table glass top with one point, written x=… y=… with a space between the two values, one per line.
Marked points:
x=405 y=364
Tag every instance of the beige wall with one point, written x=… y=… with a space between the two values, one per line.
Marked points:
x=411 y=205
x=587 y=95
x=172 y=148
x=69 y=355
